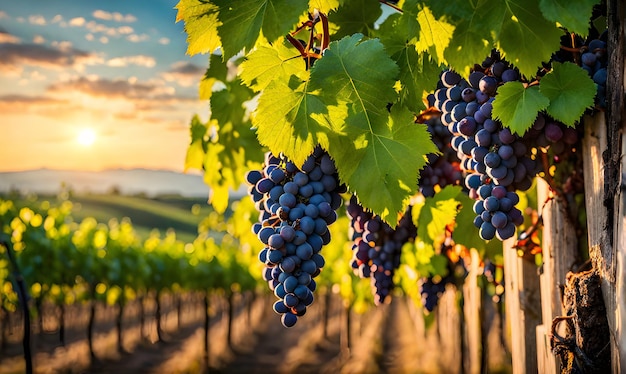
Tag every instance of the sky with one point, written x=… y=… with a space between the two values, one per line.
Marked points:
x=94 y=85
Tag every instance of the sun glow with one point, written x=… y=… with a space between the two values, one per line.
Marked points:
x=86 y=137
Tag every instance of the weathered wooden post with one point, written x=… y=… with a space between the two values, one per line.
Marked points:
x=523 y=308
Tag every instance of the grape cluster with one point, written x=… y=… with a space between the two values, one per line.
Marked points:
x=296 y=205
x=491 y=155
x=377 y=248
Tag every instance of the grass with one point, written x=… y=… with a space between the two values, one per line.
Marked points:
x=146 y=214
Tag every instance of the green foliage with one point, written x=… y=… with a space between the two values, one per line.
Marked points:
x=570 y=91
x=64 y=261
x=573 y=15
x=517 y=106
x=433 y=214
x=371 y=63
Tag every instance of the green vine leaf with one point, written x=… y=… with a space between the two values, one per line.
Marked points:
x=517 y=107
x=232 y=149
x=378 y=154
x=524 y=38
x=195 y=151
x=435 y=35
x=243 y=21
x=269 y=63
x=217 y=72
x=573 y=15
x=419 y=73
x=570 y=91
x=354 y=17
x=201 y=23
x=470 y=43
x=283 y=118
x=435 y=213
x=382 y=167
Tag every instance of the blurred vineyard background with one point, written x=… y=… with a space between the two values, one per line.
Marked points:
x=164 y=284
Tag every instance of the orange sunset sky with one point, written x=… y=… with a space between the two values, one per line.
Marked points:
x=93 y=85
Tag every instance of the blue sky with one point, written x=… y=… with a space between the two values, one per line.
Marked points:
x=118 y=68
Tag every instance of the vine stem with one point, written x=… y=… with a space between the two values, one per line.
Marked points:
x=391 y=5
x=23 y=299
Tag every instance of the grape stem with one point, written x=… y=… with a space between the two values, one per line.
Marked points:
x=391 y=5
x=307 y=52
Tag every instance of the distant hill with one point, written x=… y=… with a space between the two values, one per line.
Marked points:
x=126 y=181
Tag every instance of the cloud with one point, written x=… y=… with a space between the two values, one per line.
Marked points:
x=139 y=60
x=117 y=88
x=3 y=14
x=135 y=38
x=23 y=104
x=115 y=16
x=184 y=73
x=77 y=22
x=15 y=56
x=164 y=41
x=37 y=19
x=6 y=37
x=38 y=39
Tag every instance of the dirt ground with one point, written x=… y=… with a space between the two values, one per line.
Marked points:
x=390 y=339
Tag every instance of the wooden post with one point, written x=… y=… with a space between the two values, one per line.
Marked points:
x=560 y=254
x=472 y=305
x=600 y=248
x=523 y=308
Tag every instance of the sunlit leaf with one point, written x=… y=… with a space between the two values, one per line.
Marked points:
x=517 y=106
x=570 y=91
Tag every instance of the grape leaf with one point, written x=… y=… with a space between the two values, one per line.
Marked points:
x=283 y=119
x=382 y=166
x=357 y=16
x=233 y=148
x=418 y=72
x=517 y=107
x=407 y=26
x=272 y=62
x=243 y=21
x=435 y=35
x=470 y=43
x=378 y=154
x=570 y=91
x=433 y=215
x=195 y=151
x=217 y=72
x=454 y=10
x=201 y=23
x=524 y=38
x=361 y=74
x=573 y=15
x=395 y=32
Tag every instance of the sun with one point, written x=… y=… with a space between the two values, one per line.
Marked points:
x=86 y=137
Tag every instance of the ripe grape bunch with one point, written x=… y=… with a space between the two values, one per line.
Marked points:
x=497 y=162
x=296 y=206
x=377 y=247
x=495 y=159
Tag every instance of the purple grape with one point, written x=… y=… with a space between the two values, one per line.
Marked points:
x=553 y=132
